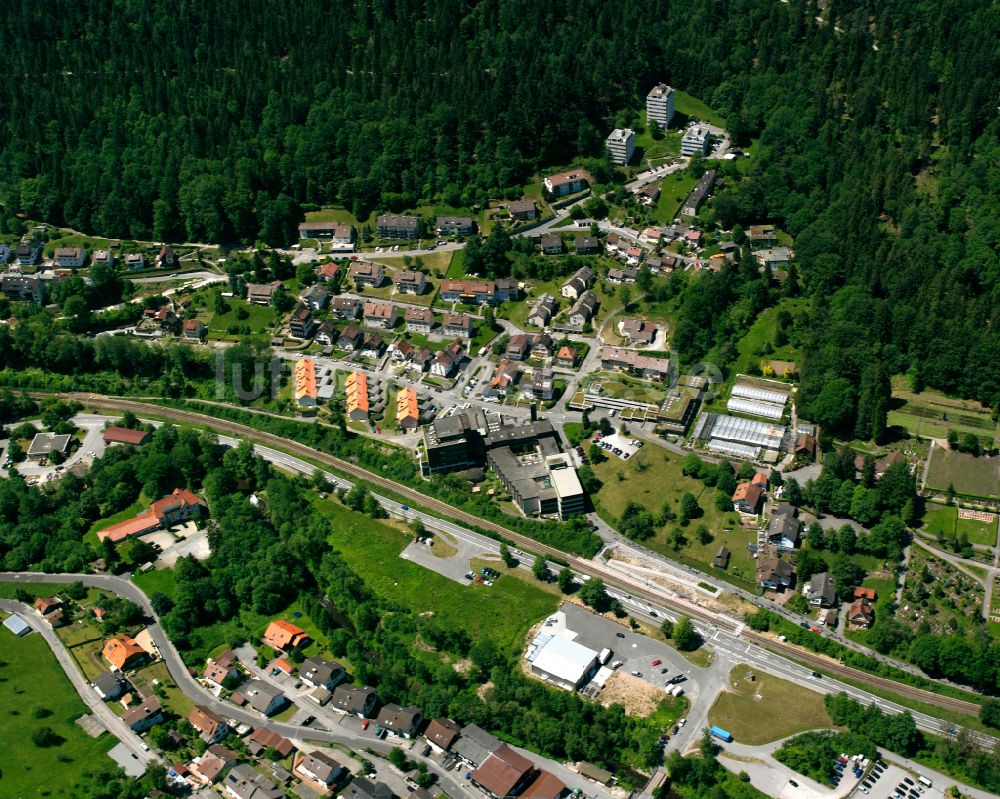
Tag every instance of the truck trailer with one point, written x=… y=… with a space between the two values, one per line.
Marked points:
x=721 y=734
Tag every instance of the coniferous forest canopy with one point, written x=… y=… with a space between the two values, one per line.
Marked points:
x=875 y=134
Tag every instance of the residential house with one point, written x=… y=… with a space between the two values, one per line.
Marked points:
x=881 y=464
x=805 y=446
x=637 y=331
x=721 y=559
x=860 y=615
x=354 y=700
x=633 y=255
x=541 y=313
x=867 y=594
x=419 y=320
x=542 y=385
x=654 y=263
x=583 y=309
x=587 y=245
x=143 y=716
x=379 y=314
x=542 y=345
x=6 y=254
x=635 y=363
x=455 y=226
x=441 y=734
x=301 y=323
x=356 y=389
x=457 y=324
x=403 y=721
x=504 y=377
x=304 y=381
x=566 y=357
x=328 y=272
x=746 y=498
x=762 y=236
x=576 y=285
x=648 y=195
x=70 y=257
x=345 y=307
x=242 y=782
x=693 y=237
x=616 y=276
x=551 y=244
x=775 y=574
x=207 y=767
x=546 y=785
x=134 y=261
x=652 y=236
x=620 y=145
x=504 y=774
x=522 y=210
x=178 y=506
x=110 y=685
x=316 y=297
x=783 y=530
x=47 y=604
x=23 y=287
x=262 y=696
x=693 y=202
x=410 y=281
x=263 y=739
x=220 y=670
x=285 y=636
x=318 y=767
x=474 y=745
x=326 y=334
x=262 y=293
x=337 y=233
x=166 y=258
x=367 y=273
x=774 y=257
x=820 y=590
x=401 y=350
x=518 y=347
x=472 y=292
x=422 y=358
x=211 y=727
x=124 y=653
x=447 y=360
x=350 y=339
x=193 y=329
x=407 y=409
x=566 y=183
x=372 y=347
x=613 y=243
x=28 y=252
x=395 y=226
x=361 y=788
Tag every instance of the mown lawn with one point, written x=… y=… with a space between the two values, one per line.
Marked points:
x=766 y=708
x=259 y=318
x=692 y=107
x=503 y=612
x=33 y=684
x=970 y=475
x=674 y=188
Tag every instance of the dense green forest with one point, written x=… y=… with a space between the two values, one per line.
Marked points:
x=875 y=129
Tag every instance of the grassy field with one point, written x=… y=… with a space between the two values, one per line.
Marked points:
x=931 y=414
x=156 y=580
x=943 y=521
x=978 y=477
x=341 y=215
x=259 y=319
x=456 y=265
x=766 y=708
x=762 y=331
x=673 y=189
x=692 y=107
x=503 y=612
x=34 y=684
x=427 y=263
x=653 y=476
x=977 y=532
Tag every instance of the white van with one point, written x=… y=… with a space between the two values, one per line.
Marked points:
x=924 y=781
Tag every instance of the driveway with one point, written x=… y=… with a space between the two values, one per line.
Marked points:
x=195 y=544
x=455 y=567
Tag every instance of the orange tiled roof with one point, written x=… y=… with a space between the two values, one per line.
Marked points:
x=406 y=404
x=280 y=634
x=357 y=392
x=121 y=651
x=305 y=378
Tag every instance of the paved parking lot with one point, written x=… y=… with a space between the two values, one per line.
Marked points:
x=636 y=651
x=892 y=783
x=455 y=567
x=618 y=441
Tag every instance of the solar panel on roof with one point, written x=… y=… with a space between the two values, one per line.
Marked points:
x=766 y=409
x=763 y=394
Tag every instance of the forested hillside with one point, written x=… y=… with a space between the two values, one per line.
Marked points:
x=218 y=119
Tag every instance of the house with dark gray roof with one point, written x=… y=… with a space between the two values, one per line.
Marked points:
x=354 y=699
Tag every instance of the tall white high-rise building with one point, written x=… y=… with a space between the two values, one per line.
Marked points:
x=660 y=105
x=621 y=145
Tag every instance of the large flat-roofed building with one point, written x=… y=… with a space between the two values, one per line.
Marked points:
x=636 y=363
x=453 y=443
x=541 y=479
x=561 y=661
x=621 y=145
x=660 y=105
x=566 y=183
x=45 y=444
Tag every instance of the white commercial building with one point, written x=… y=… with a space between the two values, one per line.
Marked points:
x=621 y=145
x=660 y=105
x=562 y=662
x=696 y=140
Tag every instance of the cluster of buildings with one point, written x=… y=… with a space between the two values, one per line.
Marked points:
x=527 y=459
x=178 y=506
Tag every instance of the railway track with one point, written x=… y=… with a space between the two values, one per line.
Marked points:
x=581 y=565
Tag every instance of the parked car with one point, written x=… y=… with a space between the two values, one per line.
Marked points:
x=656 y=662
x=365 y=724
